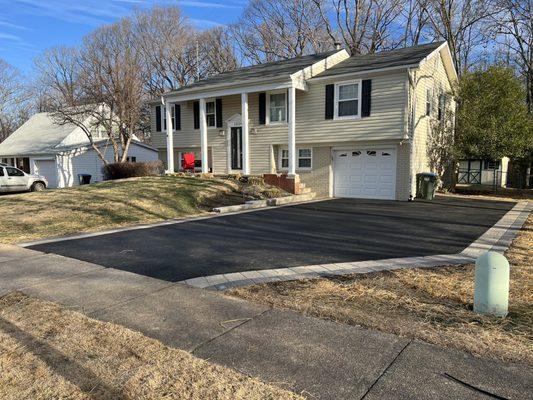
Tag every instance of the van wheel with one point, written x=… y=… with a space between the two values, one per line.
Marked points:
x=38 y=187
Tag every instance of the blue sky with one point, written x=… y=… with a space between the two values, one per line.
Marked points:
x=29 y=26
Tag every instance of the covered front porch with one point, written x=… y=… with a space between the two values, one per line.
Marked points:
x=226 y=137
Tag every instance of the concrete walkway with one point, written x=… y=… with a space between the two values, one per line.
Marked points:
x=320 y=359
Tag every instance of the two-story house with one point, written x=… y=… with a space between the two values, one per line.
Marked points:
x=343 y=126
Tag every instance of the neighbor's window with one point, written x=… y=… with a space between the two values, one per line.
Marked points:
x=164 y=111
x=131 y=159
x=491 y=164
x=210 y=113
x=429 y=95
x=304 y=160
x=347 y=100
x=278 y=107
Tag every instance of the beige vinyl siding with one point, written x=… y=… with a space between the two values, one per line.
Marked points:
x=385 y=123
x=432 y=74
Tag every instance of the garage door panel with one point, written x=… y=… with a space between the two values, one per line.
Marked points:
x=365 y=173
x=47 y=168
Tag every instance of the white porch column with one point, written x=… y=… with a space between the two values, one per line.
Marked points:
x=292 y=131
x=203 y=138
x=170 y=138
x=245 y=135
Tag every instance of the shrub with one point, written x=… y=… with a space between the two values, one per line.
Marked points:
x=133 y=169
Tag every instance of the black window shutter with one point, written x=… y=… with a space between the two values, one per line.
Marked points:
x=158 y=118
x=330 y=99
x=196 y=111
x=262 y=108
x=366 y=94
x=218 y=112
x=177 y=117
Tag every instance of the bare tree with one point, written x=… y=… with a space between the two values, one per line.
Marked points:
x=14 y=104
x=365 y=26
x=58 y=76
x=460 y=23
x=271 y=30
x=415 y=21
x=216 y=52
x=98 y=87
x=165 y=41
x=512 y=27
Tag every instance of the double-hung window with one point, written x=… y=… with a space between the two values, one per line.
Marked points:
x=304 y=158
x=347 y=100
x=277 y=107
x=210 y=113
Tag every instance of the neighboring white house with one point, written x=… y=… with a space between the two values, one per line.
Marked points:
x=483 y=172
x=61 y=152
x=341 y=126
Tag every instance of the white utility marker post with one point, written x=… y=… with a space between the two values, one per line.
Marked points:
x=203 y=138
x=292 y=131
x=491 y=291
x=170 y=138
x=245 y=135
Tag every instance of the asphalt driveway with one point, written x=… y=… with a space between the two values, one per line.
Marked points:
x=339 y=230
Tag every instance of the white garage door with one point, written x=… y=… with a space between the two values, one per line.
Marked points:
x=48 y=169
x=364 y=173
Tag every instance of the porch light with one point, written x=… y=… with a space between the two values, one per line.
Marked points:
x=253 y=131
x=221 y=132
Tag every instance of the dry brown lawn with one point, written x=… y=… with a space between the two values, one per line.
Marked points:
x=434 y=305
x=32 y=216
x=47 y=352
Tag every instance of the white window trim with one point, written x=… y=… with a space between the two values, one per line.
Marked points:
x=336 y=101
x=280 y=152
x=214 y=112
x=164 y=118
x=431 y=111
x=267 y=120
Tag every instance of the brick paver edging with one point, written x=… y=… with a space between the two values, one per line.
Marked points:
x=497 y=238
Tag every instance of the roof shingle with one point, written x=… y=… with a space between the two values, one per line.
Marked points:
x=385 y=59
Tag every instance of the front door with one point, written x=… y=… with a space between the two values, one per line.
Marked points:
x=236 y=148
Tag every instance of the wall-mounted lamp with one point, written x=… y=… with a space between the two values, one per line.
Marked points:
x=253 y=131
x=222 y=132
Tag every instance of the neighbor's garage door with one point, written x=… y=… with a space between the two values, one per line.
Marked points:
x=364 y=173
x=47 y=168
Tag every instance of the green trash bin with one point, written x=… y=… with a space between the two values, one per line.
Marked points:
x=426 y=184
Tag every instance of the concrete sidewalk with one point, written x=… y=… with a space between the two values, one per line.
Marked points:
x=320 y=359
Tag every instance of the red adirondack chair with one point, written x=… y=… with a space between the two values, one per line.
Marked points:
x=187 y=164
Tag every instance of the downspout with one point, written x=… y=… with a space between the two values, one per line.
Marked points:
x=411 y=128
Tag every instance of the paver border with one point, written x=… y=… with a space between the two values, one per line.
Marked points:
x=497 y=238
